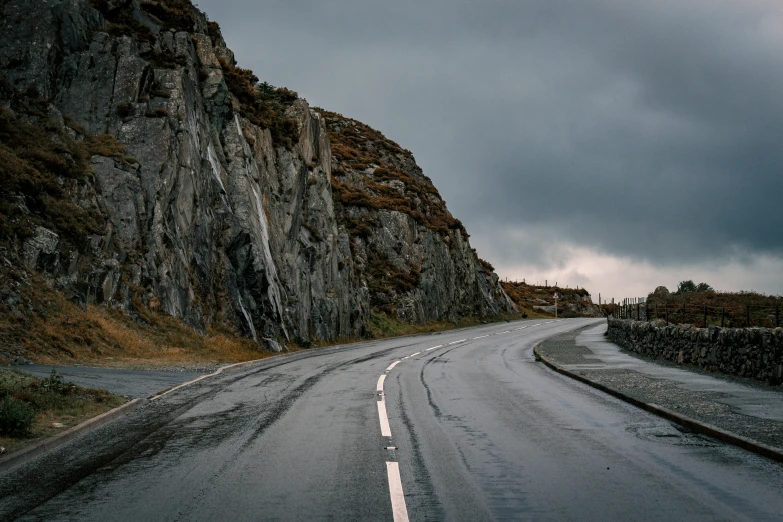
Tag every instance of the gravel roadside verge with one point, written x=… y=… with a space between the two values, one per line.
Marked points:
x=709 y=408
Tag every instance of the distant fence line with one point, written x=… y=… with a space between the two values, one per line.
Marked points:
x=699 y=314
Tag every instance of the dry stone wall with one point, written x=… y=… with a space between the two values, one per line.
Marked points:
x=756 y=353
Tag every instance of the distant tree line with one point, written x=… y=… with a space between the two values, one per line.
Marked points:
x=687 y=287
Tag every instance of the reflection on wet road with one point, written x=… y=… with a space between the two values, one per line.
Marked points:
x=479 y=431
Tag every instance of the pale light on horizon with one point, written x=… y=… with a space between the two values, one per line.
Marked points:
x=618 y=278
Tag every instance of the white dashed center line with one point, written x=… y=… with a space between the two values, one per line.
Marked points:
x=385 y=428
x=399 y=511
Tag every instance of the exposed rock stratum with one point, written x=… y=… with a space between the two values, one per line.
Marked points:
x=213 y=198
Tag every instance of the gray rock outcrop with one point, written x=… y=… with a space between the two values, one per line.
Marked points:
x=209 y=217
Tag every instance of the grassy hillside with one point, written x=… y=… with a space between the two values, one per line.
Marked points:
x=730 y=309
x=357 y=147
x=571 y=301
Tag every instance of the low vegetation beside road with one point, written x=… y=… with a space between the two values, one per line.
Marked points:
x=32 y=409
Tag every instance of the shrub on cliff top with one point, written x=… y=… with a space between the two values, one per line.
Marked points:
x=485 y=265
x=262 y=103
x=173 y=14
x=356 y=146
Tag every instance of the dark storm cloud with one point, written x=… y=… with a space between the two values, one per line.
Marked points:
x=650 y=130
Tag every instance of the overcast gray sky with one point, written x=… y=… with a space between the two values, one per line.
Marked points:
x=612 y=144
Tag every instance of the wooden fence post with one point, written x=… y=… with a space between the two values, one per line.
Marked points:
x=747 y=315
x=705 y=316
x=777 y=316
x=722 y=315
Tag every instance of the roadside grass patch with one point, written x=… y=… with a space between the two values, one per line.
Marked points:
x=16 y=417
x=32 y=409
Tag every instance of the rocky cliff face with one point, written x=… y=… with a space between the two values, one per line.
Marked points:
x=412 y=254
x=211 y=197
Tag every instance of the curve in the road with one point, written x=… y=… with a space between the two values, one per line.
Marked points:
x=399 y=508
x=481 y=432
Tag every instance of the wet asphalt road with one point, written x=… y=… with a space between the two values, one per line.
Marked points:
x=482 y=432
x=130 y=383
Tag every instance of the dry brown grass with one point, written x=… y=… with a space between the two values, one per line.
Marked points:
x=57 y=331
x=731 y=309
x=356 y=146
x=522 y=293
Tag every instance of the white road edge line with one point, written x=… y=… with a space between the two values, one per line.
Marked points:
x=461 y=340
x=392 y=365
x=414 y=354
x=399 y=511
x=379 y=386
x=385 y=429
x=439 y=346
x=481 y=336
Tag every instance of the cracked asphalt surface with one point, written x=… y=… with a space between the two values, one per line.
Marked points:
x=481 y=432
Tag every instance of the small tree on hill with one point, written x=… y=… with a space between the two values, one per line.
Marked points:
x=686 y=287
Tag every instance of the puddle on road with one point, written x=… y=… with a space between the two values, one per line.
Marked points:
x=670 y=435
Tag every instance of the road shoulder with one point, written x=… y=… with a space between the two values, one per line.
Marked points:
x=728 y=411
